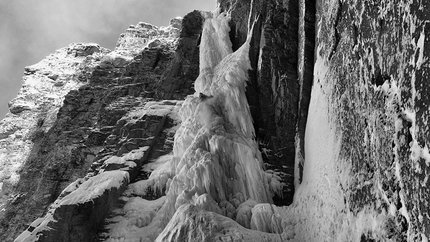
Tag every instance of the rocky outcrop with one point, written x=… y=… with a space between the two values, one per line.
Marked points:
x=106 y=108
x=82 y=206
x=199 y=228
x=34 y=112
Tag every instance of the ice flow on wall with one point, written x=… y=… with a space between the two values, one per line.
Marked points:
x=216 y=143
x=216 y=164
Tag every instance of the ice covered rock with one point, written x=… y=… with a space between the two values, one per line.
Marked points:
x=202 y=225
x=81 y=49
x=17 y=107
x=144 y=34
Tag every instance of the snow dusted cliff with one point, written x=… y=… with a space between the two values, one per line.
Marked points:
x=259 y=121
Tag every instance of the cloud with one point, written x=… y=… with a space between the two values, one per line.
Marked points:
x=32 y=30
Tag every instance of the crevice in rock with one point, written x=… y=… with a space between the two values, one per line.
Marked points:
x=336 y=30
x=252 y=91
x=366 y=238
x=305 y=70
x=157 y=60
x=161 y=144
x=232 y=34
x=274 y=87
x=57 y=189
x=379 y=78
x=199 y=40
x=355 y=34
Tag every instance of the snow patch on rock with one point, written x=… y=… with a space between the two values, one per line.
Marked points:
x=94 y=187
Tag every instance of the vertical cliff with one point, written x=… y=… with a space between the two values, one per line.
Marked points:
x=376 y=84
x=274 y=120
x=51 y=142
x=282 y=56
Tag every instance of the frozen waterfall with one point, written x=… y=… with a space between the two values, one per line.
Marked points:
x=216 y=165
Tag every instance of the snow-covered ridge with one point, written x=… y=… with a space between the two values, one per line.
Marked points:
x=144 y=34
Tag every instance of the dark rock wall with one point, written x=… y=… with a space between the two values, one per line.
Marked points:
x=378 y=73
x=279 y=87
x=184 y=67
x=79 y=222
x=305 y=75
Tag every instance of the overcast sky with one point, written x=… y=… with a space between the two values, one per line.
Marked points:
x=32 y=29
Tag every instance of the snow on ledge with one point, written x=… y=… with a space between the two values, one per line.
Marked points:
x=95 y=186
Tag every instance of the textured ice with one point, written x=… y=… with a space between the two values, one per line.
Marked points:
x=191 y=223
x=128 y=160
x=216 y=165
x=137 y=222
x=161 y=170
x=266 y=218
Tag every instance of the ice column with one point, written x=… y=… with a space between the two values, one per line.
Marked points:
x=215 y=153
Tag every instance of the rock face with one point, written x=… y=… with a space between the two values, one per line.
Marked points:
x=279 y=87
x=336 y=90
x=32 y=114
x=376 y=83
x=78 y=107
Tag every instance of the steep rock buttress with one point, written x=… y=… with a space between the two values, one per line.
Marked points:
x=80 y=124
